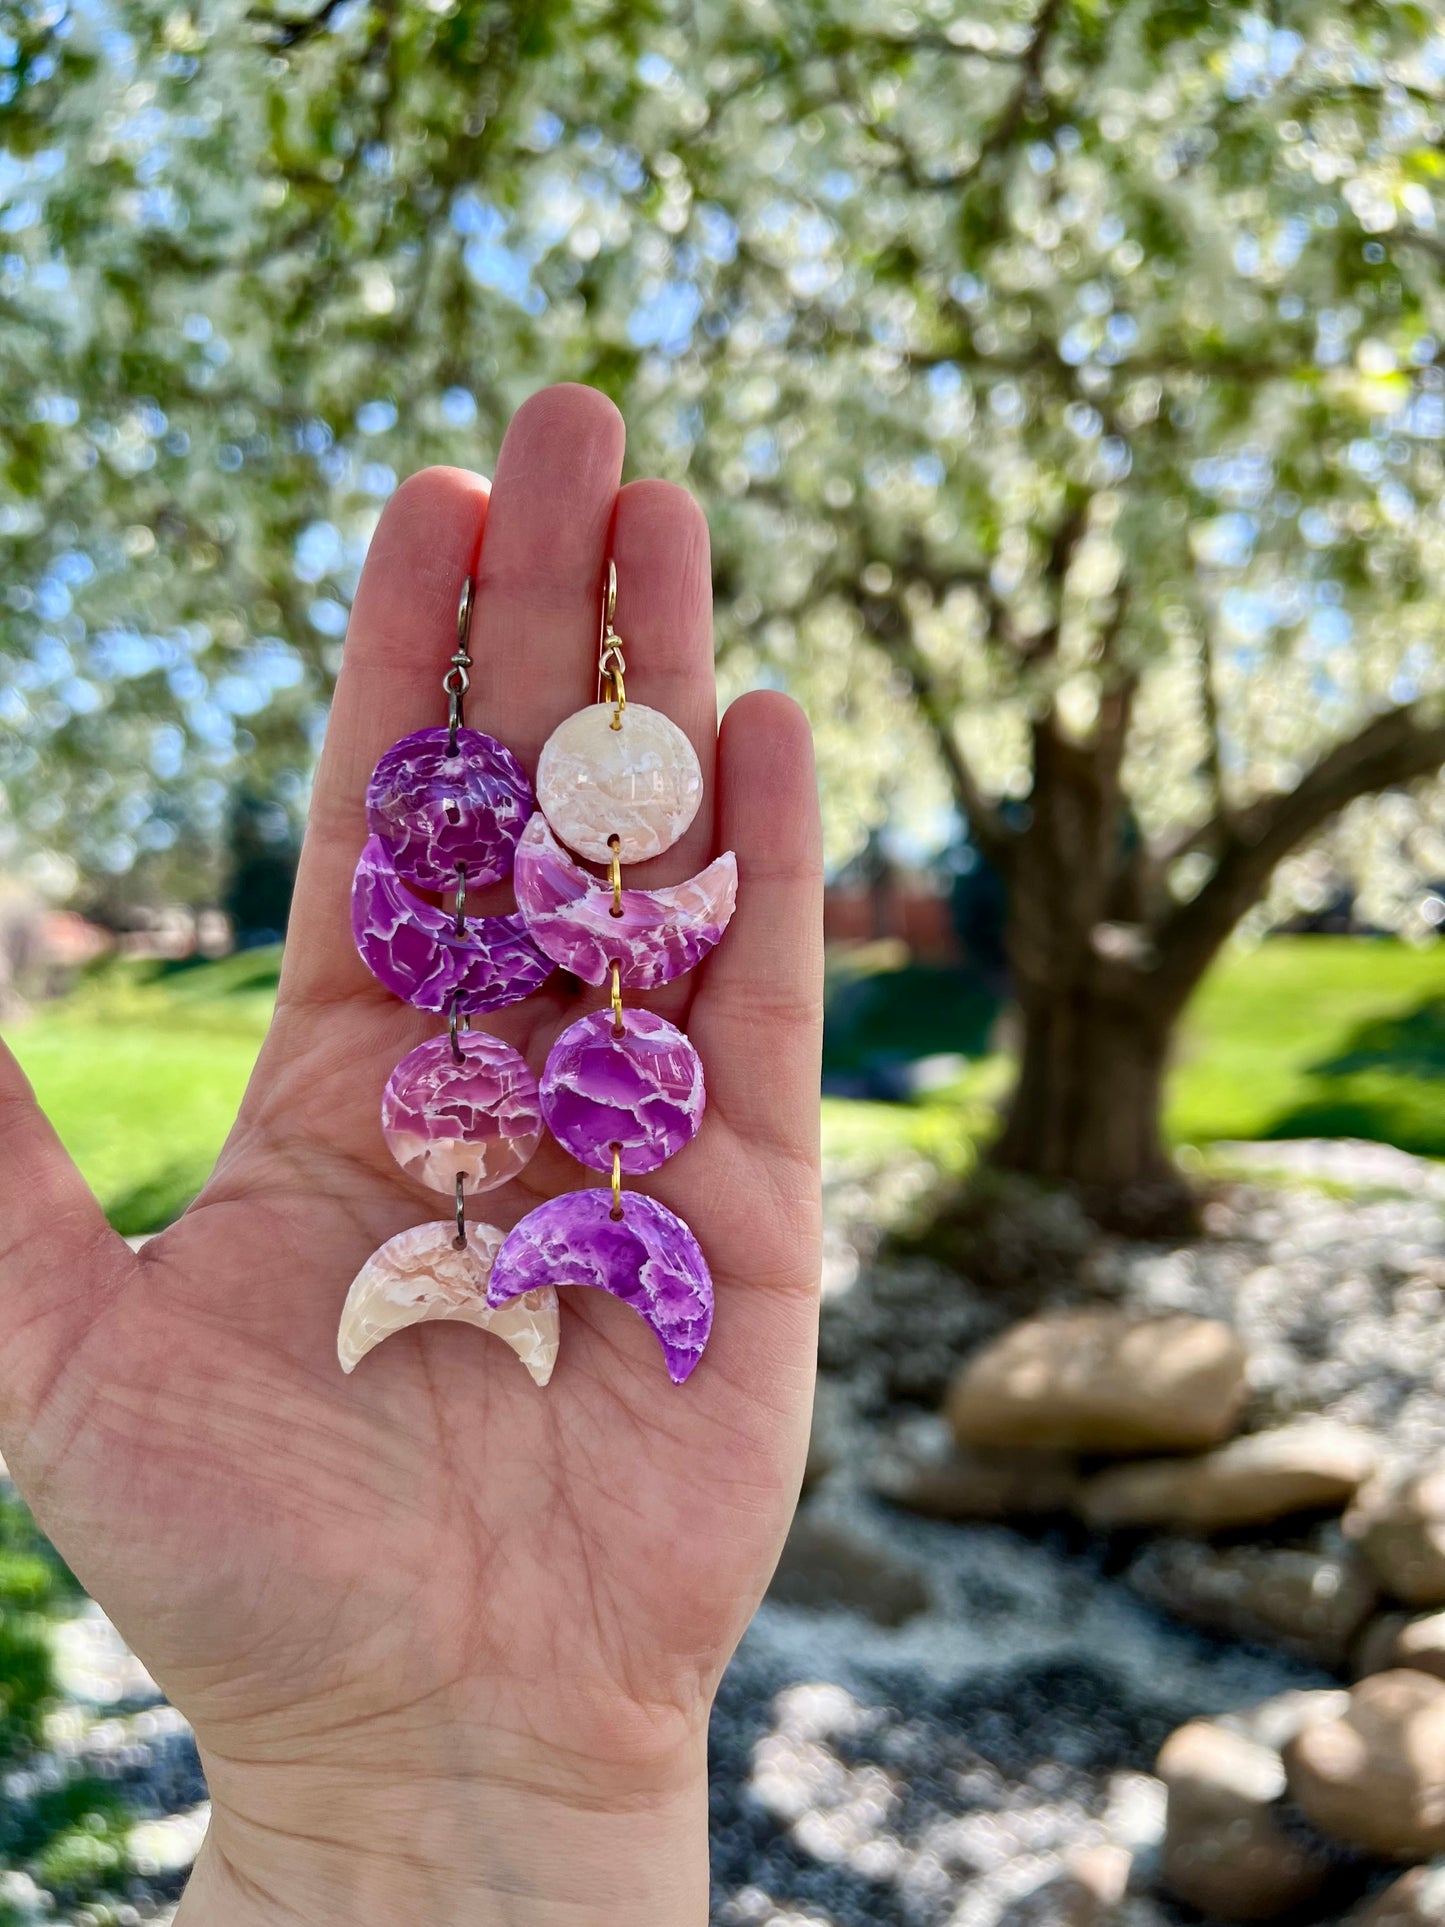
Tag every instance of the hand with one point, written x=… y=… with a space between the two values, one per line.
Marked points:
x=449 y=1642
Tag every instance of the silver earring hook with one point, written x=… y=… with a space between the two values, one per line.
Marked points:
x=457 y=681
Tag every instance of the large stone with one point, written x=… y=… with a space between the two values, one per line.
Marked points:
x=1398 y=1639
x=1416 y=1899
x=1102 y=1381
x=1400 y=1526
x=1374 y=1650
x=1312 y=1600
x=927 y=1472
x=1304 y=1467
x=1421 y=1645
x=1230 y=1846
x=1375 y=1777
x=829 y=1562
x=829 y=1434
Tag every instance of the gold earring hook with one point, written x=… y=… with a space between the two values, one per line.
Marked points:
x=611 y=667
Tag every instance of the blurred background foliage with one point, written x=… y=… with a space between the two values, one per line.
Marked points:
x=1062 y=383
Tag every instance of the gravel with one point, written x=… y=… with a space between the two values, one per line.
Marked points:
x=941 y=1770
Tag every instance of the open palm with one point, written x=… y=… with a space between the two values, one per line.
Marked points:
x=367 y=1591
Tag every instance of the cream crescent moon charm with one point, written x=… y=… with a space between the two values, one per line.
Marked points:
x=420 y=1275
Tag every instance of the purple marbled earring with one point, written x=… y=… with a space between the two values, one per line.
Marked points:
x=622 y=1089
x=446 y=808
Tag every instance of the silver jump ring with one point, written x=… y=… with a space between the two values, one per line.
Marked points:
x=461 y=1238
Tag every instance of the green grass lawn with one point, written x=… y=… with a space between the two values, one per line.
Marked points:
x=142 y=1067
x=1297 y=1037
x=141 y=1070
x=1316 y=1037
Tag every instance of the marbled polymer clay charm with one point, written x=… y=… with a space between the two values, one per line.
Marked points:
x=655 y=936
x=465 y=1110
x=439 y=809
x=415 y=950
x=641 y=1253
x=640 y=1093
x=422 y=1274
x=625 y=772
x=461 y=1112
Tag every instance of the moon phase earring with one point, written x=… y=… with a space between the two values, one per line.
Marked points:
x=622 y=1089
x=461 y=1112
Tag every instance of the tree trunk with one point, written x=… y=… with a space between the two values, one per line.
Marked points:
x=1085 y=1111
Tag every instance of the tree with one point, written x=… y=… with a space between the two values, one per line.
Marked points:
x=1062 y=381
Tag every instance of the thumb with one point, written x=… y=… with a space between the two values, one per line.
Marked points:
x=59 y=1259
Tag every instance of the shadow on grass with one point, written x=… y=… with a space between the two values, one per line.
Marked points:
x=1387 y=1085
x=244 y=970
x=897 y=1016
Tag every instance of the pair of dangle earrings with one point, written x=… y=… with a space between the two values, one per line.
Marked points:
x=449 y=810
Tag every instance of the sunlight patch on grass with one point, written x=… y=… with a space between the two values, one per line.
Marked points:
x=141 y=1071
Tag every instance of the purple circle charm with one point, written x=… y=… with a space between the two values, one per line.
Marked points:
x=434 y=811
x=478 y=1119
x=642 y=1091
x=414 y=950
x=648 y=1258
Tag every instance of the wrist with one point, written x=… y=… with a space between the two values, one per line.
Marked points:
x=320 y=1850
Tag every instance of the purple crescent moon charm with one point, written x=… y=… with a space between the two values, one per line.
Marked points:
x=436 y=812
x=657 y=935
x=414 y=949
x=648 y=1258
x=642 y=1091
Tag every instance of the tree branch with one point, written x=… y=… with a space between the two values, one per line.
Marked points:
x=998 y=137
x=283 y=33
x=1063 y=547
x=1395 y=747
x=888 y=624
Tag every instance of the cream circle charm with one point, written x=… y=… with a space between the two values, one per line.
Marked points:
x=462 y=1113
x=628 y=773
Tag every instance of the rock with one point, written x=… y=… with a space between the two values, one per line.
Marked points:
x=1251 y=1481
x=901 y=1329
x=1400 y=1526
x=1102 y=1872
x=1375 y=1777
x=1102 y=1381
x=1229 y=1847
x=1275 y=1722
x=1416 y=1899
x=1087 y=1893
x=1375 y=1648
x=1396 y=1640
x=828 y=1437
x=1421 y=1645
x=1312 y=1600
x=924 y=1471
x=829 y=1563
